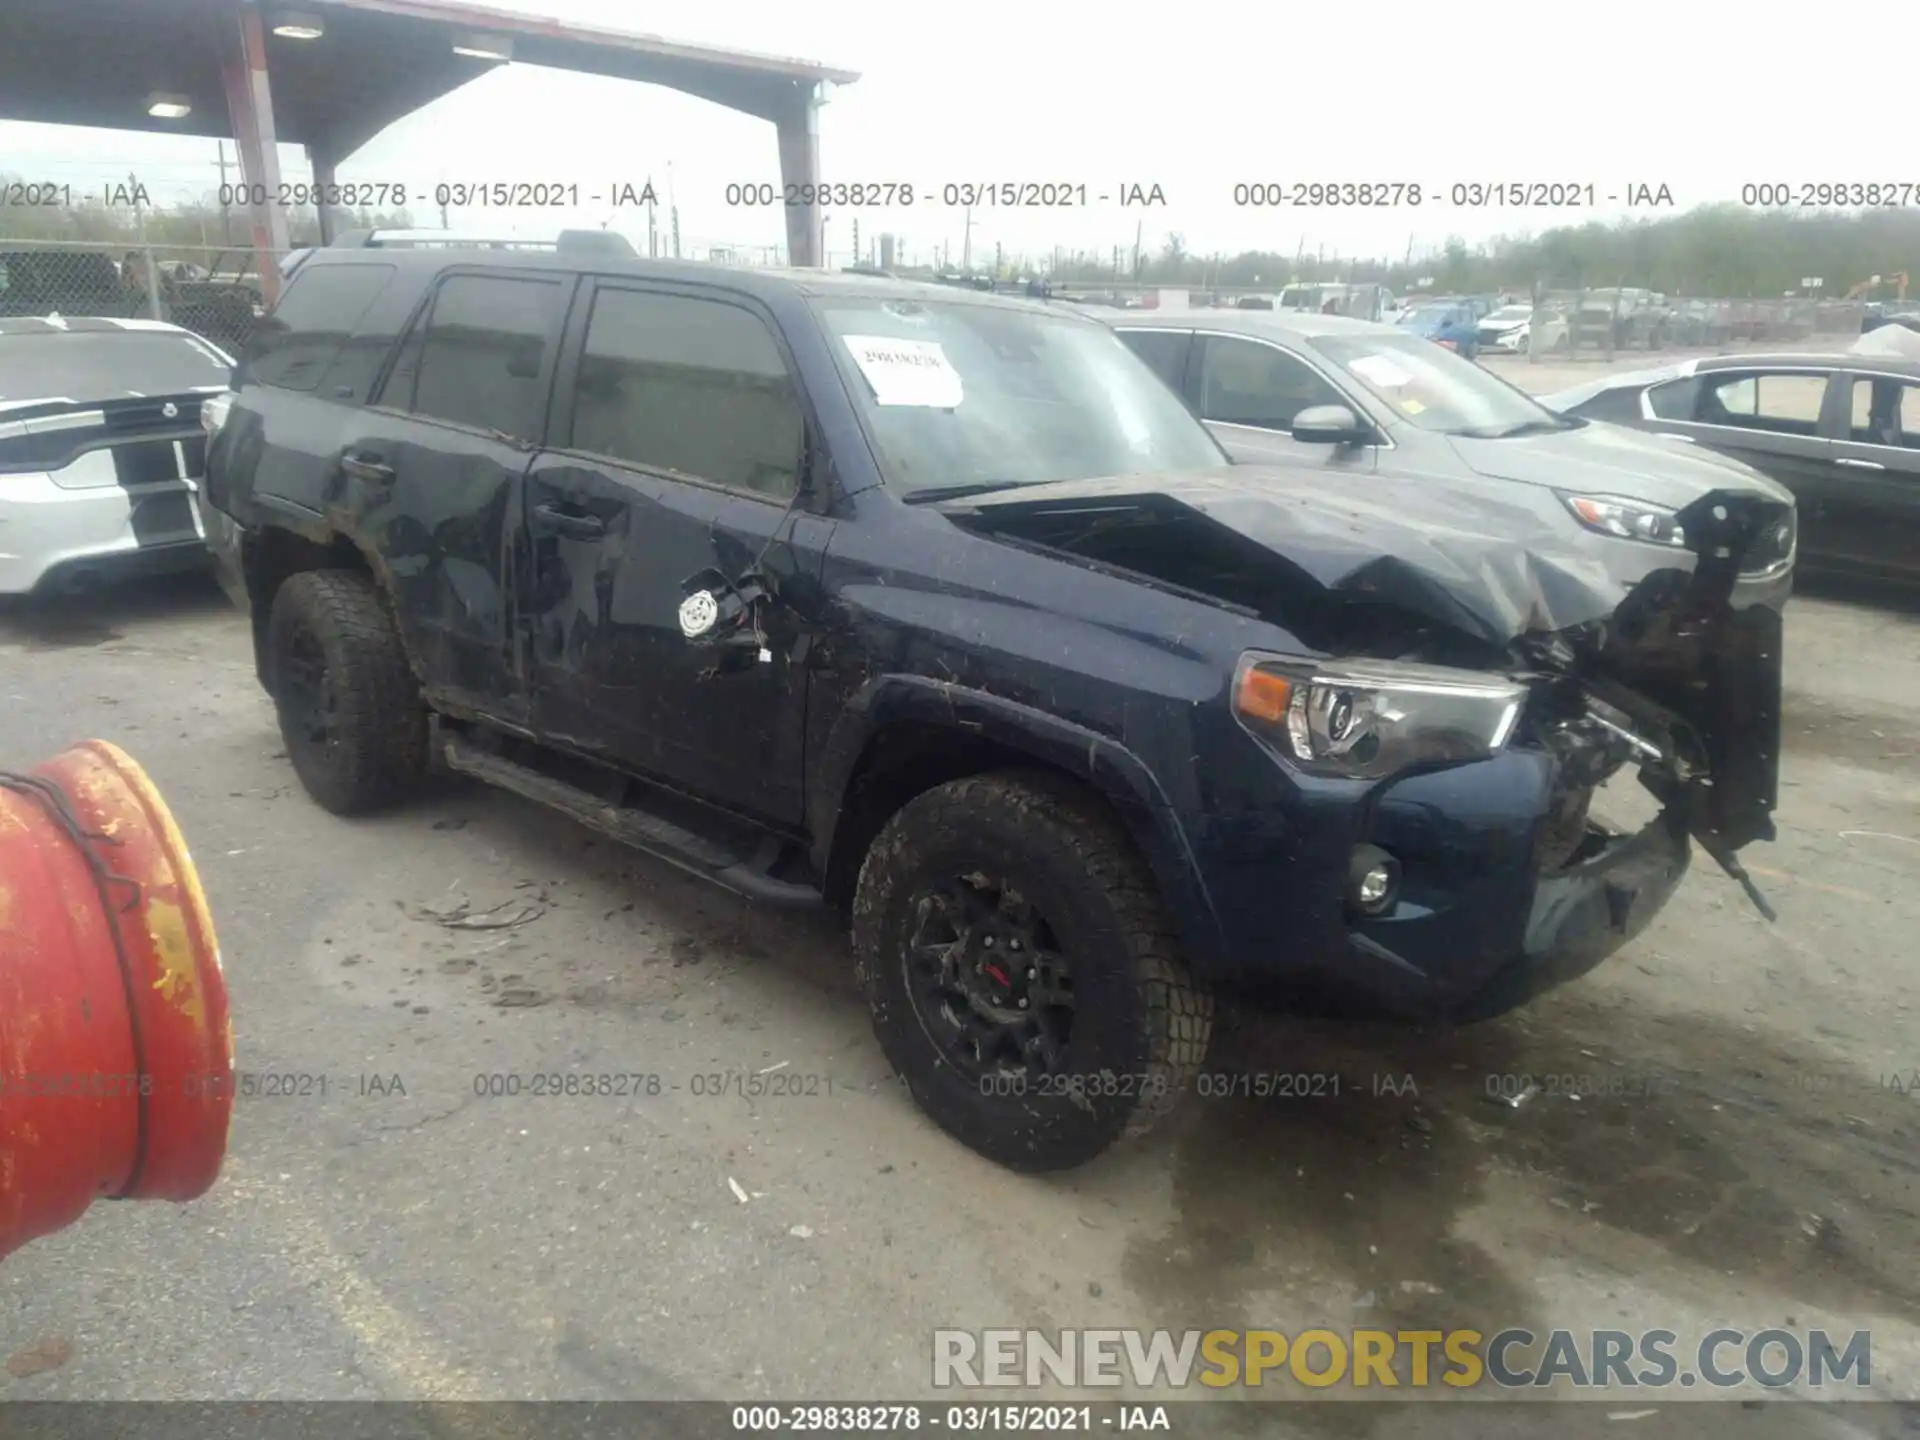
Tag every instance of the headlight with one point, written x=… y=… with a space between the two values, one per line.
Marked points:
x=1366 y=719
x=1627 y=519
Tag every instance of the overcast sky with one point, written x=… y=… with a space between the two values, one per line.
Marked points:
x=1193 y=98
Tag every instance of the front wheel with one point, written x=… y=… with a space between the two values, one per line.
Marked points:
x=350 y=710
x=1023 y=975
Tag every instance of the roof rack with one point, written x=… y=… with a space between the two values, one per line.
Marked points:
x=567 y=242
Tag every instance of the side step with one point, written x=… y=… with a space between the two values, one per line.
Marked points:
x=678 y=846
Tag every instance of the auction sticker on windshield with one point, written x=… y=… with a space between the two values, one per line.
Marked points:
x=907 y=372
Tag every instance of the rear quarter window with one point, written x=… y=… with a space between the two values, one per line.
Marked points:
x=297 y=346
x=1674 y=400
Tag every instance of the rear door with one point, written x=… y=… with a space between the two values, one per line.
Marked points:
x=312 y=360
x=680 y=444
x=428 y=476
x=1248 y=391
x=1872 y=507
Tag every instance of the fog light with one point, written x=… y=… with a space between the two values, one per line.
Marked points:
x=1373 y=880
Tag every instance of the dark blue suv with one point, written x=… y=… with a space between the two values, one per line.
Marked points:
x=939 y=608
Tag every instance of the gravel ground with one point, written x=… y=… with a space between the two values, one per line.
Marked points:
x=1753 y=1164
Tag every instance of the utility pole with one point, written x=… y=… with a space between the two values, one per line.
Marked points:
x=1139 y=230
x=146 y=250
x=673 y=211
x=856 y=239
x=226 y=208
x=966 y=245
x=999 y=260
x=653 y=227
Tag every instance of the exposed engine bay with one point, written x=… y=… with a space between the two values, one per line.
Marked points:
x=1665 y=674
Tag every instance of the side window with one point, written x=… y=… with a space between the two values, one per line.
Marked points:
x=1784 y=404
x=1164 y=350
x=1676 y=399
x=689 y=385
x=476 y=357
x=1886 y=412
x=294 y=347
x=1246 y=383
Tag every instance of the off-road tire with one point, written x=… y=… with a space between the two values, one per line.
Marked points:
x=375 y=754
x=1139 y=1017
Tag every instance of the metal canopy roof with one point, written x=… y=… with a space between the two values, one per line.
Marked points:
x=96 y=62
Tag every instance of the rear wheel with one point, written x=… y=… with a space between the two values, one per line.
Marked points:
x=350 y=711
x=1023 y=976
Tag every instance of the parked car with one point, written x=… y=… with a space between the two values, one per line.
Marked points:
x=1874 y=316
x=940 y=608
x=1452 y=327
x=100 y=450
x=221 y=302
x=1364 y=400
x=1523 y=329
x=1621 y=319
x=1841 y=431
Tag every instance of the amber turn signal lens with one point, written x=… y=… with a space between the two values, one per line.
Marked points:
x=1264 y=695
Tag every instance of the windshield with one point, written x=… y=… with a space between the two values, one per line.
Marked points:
x=1434 y=388
x=1512 y=312
x=975 y=394
x=106 y=365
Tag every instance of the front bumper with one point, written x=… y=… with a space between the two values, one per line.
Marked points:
x=1478 y=926
x=1581 y=915
x=52 y=538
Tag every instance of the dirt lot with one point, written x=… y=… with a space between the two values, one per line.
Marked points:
x=1726 y=1132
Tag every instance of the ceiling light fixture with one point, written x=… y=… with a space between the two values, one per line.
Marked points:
x=298 y=25
x=483 y=47
x=169 y=107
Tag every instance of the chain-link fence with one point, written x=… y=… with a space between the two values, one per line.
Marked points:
x=1599 y=324
x=212 y=291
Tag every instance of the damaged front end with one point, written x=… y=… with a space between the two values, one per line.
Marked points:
x=1661 y=671
x=1679 y=682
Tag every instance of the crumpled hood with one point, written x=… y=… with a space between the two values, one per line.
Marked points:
x=1487 y=565
x=1602 y=459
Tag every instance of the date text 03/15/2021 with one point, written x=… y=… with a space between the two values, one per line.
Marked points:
x=963 y=1419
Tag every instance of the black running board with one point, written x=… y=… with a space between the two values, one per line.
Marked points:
x=630 y=825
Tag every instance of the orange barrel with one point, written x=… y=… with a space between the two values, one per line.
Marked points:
x=116 y=1051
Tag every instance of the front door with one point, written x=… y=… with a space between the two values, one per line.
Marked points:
x=1248 y=392
x=679 y=445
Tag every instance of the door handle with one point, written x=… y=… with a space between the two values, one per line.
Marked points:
x=370 y=468
x=1860 y=464
x=575 y=527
